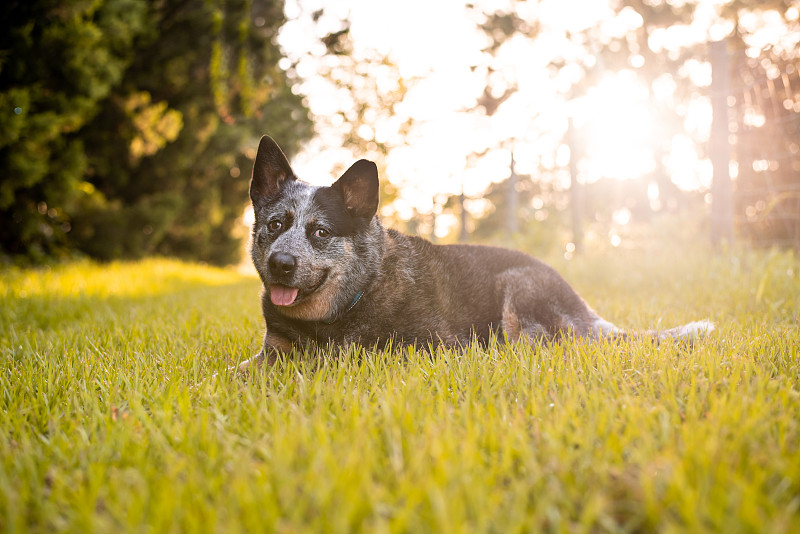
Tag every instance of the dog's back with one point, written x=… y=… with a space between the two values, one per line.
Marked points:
x=452 y=292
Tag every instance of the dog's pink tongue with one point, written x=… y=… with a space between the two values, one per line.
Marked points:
x=282 y=295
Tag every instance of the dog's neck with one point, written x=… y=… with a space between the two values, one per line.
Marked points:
x=350 y=307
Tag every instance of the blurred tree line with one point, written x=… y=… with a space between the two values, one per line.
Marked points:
x=529 y=197
x=128 y=127
x=762 y=107
x=766 y=132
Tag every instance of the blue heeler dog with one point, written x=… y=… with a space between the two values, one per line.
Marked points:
x=333 y=274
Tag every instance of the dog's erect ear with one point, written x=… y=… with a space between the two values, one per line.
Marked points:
x=359 y=188
x=270 y=171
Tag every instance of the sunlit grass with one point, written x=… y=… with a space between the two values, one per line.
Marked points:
x=114 y=279
x=109 y=423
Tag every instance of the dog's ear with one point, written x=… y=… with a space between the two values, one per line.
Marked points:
x=270 y=171
x=359 y=188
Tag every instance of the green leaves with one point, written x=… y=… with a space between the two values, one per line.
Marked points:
x=153 y=105
x=154 y=123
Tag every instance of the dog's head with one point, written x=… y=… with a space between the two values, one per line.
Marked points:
x=309 y=242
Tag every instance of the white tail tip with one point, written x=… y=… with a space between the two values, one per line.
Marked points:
x=690 y=331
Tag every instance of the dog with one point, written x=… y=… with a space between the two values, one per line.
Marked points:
x=333 y=275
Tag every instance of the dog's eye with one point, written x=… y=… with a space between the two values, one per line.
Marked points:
x=321 y=233
x=274 y=225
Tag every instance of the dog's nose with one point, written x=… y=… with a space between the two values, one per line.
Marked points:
x=282 y=264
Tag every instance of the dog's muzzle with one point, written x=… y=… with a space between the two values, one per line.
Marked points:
x=287 y=285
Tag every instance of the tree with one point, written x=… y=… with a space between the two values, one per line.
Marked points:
x=59 y=61
x=358 y=91
x=133 y=124
x=634 y=38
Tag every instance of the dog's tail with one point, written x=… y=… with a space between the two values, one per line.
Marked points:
x=687 y=333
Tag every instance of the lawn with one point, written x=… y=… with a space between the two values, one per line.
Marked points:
x=110 y=421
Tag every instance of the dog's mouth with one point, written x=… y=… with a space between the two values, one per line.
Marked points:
x=281 y=295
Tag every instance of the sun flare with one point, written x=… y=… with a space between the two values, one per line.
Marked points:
x=616 y=129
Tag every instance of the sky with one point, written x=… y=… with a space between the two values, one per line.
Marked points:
x=437 y=43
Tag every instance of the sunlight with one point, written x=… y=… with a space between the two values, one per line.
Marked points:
x=686 y=168
x=453 y=147
x=616 y=126
x=249 y=216
x=621 y=216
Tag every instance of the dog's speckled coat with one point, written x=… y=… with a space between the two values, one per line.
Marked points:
x=333 y=274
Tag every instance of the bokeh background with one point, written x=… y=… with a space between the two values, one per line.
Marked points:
x=128 y=128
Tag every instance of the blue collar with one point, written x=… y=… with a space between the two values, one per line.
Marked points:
x=355 y=301
x=352 y=305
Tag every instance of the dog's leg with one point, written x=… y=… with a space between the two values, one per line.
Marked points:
x=255 y=361
x=244 y=367
x=273 y=344
x=538 y=303
x=603 y=329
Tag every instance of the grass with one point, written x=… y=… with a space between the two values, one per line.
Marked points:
x=109 y=423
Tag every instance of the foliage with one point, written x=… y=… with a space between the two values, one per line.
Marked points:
x=110 y=420
x=128 y=126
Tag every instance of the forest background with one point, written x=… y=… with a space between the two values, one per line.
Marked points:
x=128 y=127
